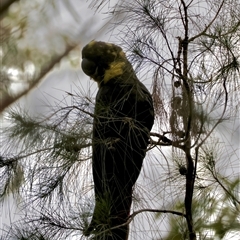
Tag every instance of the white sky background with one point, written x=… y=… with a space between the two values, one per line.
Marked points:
x=53 y=88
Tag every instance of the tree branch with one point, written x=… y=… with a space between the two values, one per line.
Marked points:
x=4 y=6
x=209 y=25
x=8 y=100
x=155 y=211
x=164 y=141
x=133 y=215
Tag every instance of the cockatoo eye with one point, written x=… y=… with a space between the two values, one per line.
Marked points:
x=88 y=67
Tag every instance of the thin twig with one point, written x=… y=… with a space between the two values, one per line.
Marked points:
x=133 y=215
x=209 y=25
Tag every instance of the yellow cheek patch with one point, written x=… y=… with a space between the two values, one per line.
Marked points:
x=91 y=43
x=116 y=69
x=122 y=54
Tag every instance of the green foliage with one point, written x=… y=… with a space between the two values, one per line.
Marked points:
x=12 y=179
x=216 y=202
x=57 y=146
x=214 y=217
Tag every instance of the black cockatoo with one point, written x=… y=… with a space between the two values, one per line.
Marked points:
x=123 y=118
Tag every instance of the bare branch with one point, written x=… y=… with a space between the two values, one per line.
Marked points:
x=209 y=25
x=133 y=215
x=156 y=211
x=164 y=141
